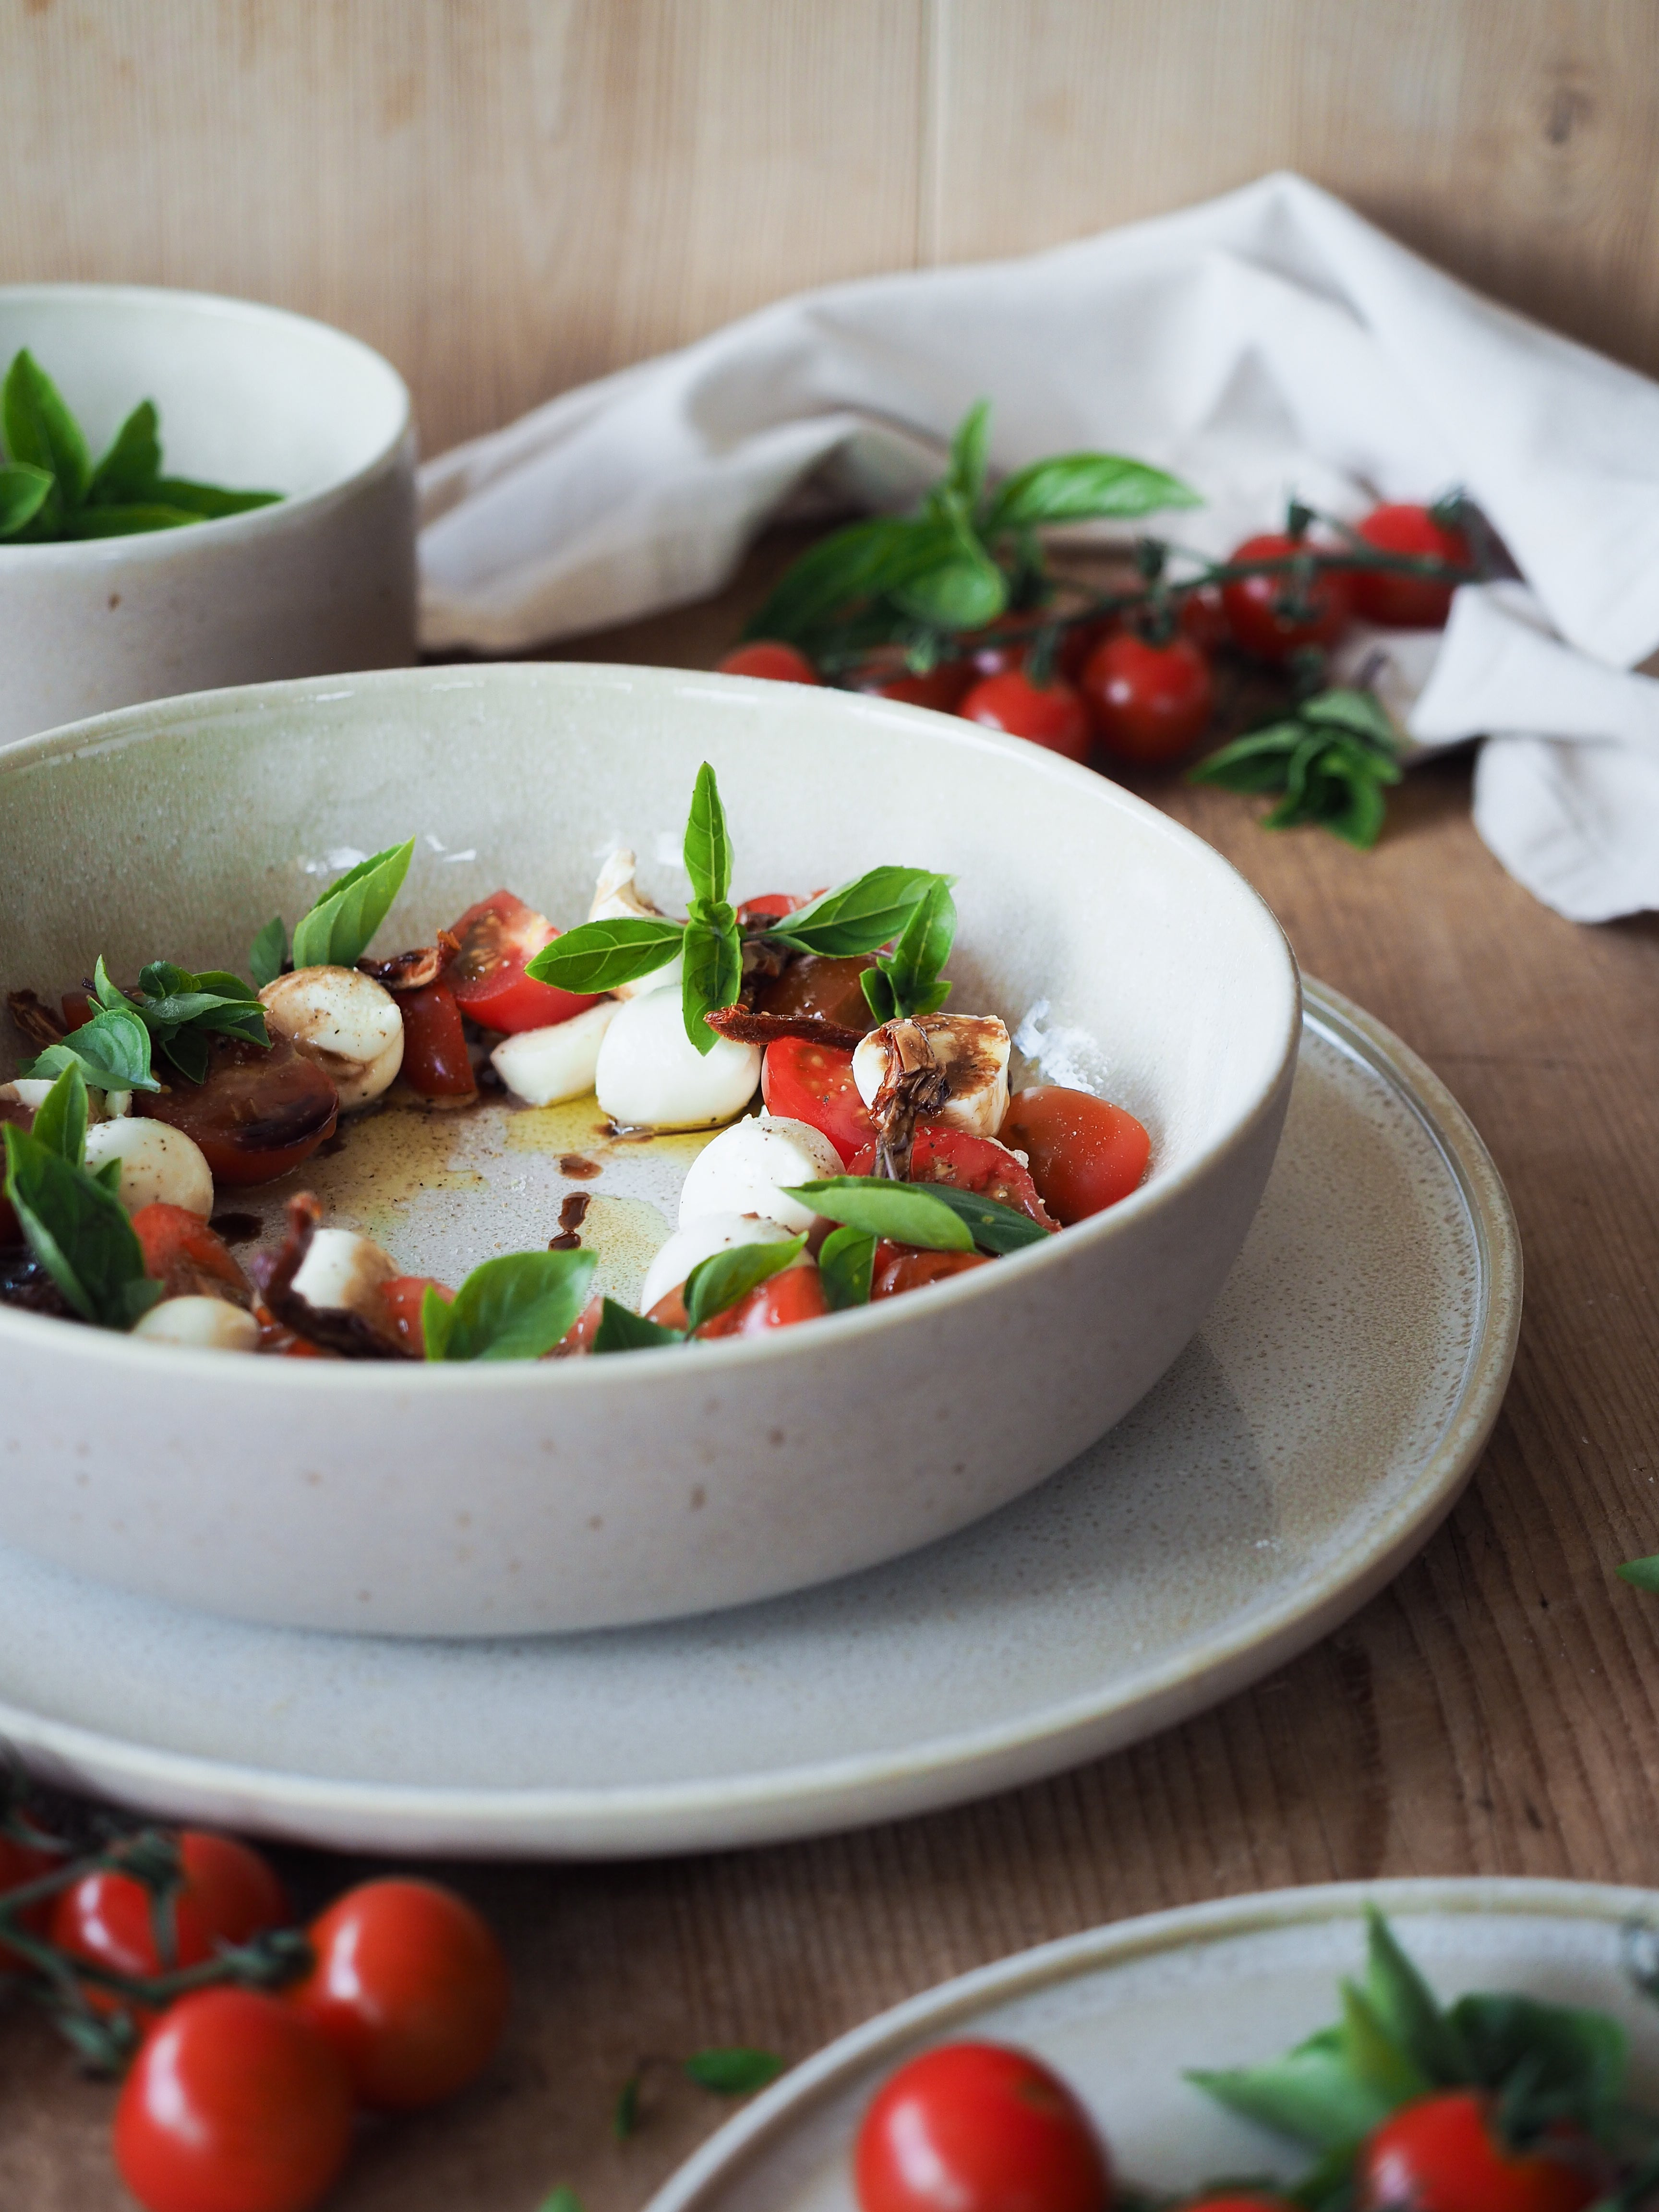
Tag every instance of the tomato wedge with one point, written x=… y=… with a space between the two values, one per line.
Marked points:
x=498 y=937
x=801 y=1081
x=259 y=1111
x=900 y=1267
x=187 y=1258
x=942 y=1154
x=795 y=1295
x=436 y=1063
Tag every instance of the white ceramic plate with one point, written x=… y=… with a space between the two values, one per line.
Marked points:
x=1300 y=1450
x=1121 y=2010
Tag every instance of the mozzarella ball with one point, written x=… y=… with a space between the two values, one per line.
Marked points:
x=700 y=1240
x=748 y=1167
x=31 y=1090
x=650 y=1076
x=204 y=1324
x=617 y=897
x=345 y=1272
x=546 y=1067
x=345 y=1022
x=973 y=1051
x=157 y=1162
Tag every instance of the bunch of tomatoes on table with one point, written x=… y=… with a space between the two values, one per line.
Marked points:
x=247 y=2046
x=1131 y=673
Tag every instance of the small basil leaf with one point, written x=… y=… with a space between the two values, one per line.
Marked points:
x=134 y=521
x=1643 y=1574
x=964 y=591
x=877 y=986
x=111 y=1051
x=563 y=2199
x=725 y=1278
x=24 y=490
x=906 y=1212
x=40 y=429
x=1310 y=2095
x=268 y=952
x=601 y=956
x=1403 y=2002
x=1083 y=487
x=1360 y=713
x=78 y=1230
x=625 y=2112
x=923 y=947
x=338 y=929
x=858 y=916
x=188 y=1051
x=735 y=2072
x=970 y=449
x=621 y=1330
x=211 y=503
x=712 y=974
x=1566 y=2064
x=436 y=1314
x=127 y=473
x=708 y=842
x=849 y=565
x=1375 y=2056
x=846 y=1264
x=994 y=1227
x=60 y=1120
x=516 y=1307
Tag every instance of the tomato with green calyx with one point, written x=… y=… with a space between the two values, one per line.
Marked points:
x=774 y=662
x=1151 y=703
x=259 y=1111
x=795 y=1295
x=498 y=937
x=1401 y=602
x=1273 y=615
x=229 y=1894
x=977 y=2127
x=1201 y=617
x=801 y=1081
x=939 y=1153
x=1051 y=714
x=900 y=1267
x=1085 y=1154
x=1442 y=2153
x=435 y=1064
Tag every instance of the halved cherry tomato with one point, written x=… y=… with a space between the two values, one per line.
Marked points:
x=1406 y=602
x=771 y=906
x=258 y=1113
x=77 y=1009
x=815 y=984
x=1052 y=714
x=185 y=1255
x=578 y=1339
x=801 y=1081
x=975 y=2127
x=767 y=658
x=941 y=688
x=1252 y=602
x=229 y=1893
x=942 y=1154
x=435 y=1064
x=409 y=1987
x=1203 y=618
x=795 y=1295
x=235 y=2104
x=1440 y=2154
x=900 y=1267
x=1151 y=702
x=498 y=937
x=403 y=1297
x=1086 y=1153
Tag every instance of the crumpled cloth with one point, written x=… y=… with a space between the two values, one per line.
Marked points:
x=1268 y=342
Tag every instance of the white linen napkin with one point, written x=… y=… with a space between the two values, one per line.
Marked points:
x=1265 y=343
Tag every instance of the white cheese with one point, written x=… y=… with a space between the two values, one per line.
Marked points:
x=973 y=1051
x=343 y=1272
x=158 y=1165
x=204 y=1324
x=545 y=1067
x=748 y=1167
x=650 y=1076
x=344 y=1021
x=617 y=897
x=701 y=1239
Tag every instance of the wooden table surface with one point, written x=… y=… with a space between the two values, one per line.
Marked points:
x=1493 y=1711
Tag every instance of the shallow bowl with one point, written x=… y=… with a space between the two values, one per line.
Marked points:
x=508 y=1499
x=249 y=396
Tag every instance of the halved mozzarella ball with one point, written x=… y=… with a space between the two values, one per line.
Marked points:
x=157 y=1162
x=343 y=1272
x=650 y=1076
x=973 y=1051
x=345 y=1022
x=31 y=1090
x=204 y=1324
x=617 y=897
x=700 y=1240
x=545 y=1067
x=748 y=1167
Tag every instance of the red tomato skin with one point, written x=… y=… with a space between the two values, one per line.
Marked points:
x=983 y=1164
x=411 y=1988
x=801 y=1081
x=901 y=1267
x=498 y=937
x=1085 y=1154
x=1406 y=602
x=1053 y=716
x=235 y=2104
x=1203 y=618
x=771 y=906
x=403 y=1297
x=259 y=1112
x=1231 y=2204
x=821 y=985
x=436 y=1063
x=1151 y=703
x=975 y=2127
x=1249 y=602
x=1439 y=2154
x=941 y=688
x=795 y=1295
x=230 y=1892
x=185 y=1255
x=773 y=661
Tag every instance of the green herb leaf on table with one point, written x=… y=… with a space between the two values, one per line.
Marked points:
x=340 y=928
x=906 y=1212
x=1643 y=1574
x=734 y=2072
x=601 y=956
x=908 y=981
x=563 y=2199
x=860 y=916
x=516 y=1307
x=78 y=1230
x=40 y=429
x=268 y=952
x=1083 y=488
x=712 y=974
x=24 y=490
x=721 y=1280
x=846 y=1263
x=111 y=1051
x=60 y=1121
x=621 y=1329
x=1328 y=762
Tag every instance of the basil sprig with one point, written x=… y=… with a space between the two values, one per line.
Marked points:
x=516 y=1307
x=935 y=1216
x=713 y=1286
x=50 y=488
x=337 y=931
x=112 y=1050
x=74 y=1222
x=268 y=952
x=711 y=973
x=181 y=1011
x=1329 y=761
x=907 y=981
x=846 y=1263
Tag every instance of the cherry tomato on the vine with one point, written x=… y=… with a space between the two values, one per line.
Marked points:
x=795 y=1295
x=1406 y=602
x=975 y=2127
x=1253 y=603
x=941 y=688
x=1050 y=714
x=235 y=2104
x=777 y=663
x=229 y=1893
x=801 y=1081
x=436 y=1063
x=499 y=938
x=1151 y=702
x=1440 y=2154
x=409 y=1987
x=1085 y=1154
x=1232 y=2203
x=1203 y=618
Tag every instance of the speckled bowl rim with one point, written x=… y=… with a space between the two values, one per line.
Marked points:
x=815 y=1797
x=951 y=2008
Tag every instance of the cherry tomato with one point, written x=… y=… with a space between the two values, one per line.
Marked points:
x=1252 y=602
x=901 y=1267
x=1203 y=618
x=1053 y=716
x=1439 y=2155
x=1085 y=1154
x=801 y=1081
x=1151 y=702
x=941 y=1154
x=941 y=688
x=974 y=2127
x=1232 y=2204
x=185 y=1255
x=1406 y=602
x=229 y=1893
x=259 y=1111
x=411 y=1988
x=498 y=937
x=436 y=1064
x=235 y=2104
x=795 y=1295
x=77 y=1009
x=403 y=1297
x=815 y=984
x=1079 y=644
x=771 y=906
x=776 y=663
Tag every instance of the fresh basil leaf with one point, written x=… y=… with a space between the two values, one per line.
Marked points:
x=721 y=1280
x=40 y=429
x=1361 y=714
x=1375 y=2056
x=911 y=974
x=858 y=916
x=211 y=503
x=1080 y=487
x=78 y=1230
x=735 y=2072
x=1556 y=2061
x=1310 y=2095
x=60 y=1120
x=187 y=1050
x=846 y=1263
x=436 y=1314
x=995 y=1227
x=338 y=929
x=24 y=490
x=623 y=1330
x=516 y=1307
x=108 y=1177
x=1643 y=1574
x=877 y=986
x=850 y=565
x=712 y=974
x=1329 y=763
x=963 y=591
x=126 y=475
x=970 y=450
x=268 y=952
x=134 y=521
x=908 y=1212
x=111 y=1051
x=601 y=956
x=563 y=2199
x=1406 y=2007
x=180 y=1010
x=708 y=842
